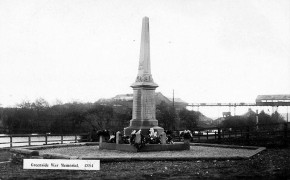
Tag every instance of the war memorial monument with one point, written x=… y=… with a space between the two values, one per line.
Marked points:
x=143 y=115
x=144 y=108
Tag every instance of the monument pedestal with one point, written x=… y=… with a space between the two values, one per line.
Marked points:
x=144 y=109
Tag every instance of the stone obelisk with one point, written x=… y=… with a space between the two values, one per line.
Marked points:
x=144 y=107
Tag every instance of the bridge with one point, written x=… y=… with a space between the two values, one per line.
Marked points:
x=274 y=101
x=241 y=104
x=261 y=100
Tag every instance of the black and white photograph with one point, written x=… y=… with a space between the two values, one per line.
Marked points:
x=148 y=89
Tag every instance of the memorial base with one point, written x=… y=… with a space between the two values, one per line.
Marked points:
x=146 y=148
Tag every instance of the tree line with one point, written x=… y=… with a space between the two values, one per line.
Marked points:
x=40 y=117
x=252 y=119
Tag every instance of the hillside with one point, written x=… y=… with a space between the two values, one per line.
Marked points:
x=205 y=122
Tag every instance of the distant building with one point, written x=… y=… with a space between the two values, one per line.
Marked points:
x=273 y=100
x=127 y=100
x=123 y=97
x=178 y=103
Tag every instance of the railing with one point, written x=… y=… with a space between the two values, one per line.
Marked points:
x=217 y=135
x=267 y=133
x=73 y=138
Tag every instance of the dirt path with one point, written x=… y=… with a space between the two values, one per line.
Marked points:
x=4 y=155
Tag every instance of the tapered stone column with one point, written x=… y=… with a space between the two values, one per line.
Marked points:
x=144 y=107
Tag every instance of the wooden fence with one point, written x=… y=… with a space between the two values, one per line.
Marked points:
x=263 y=132
x=249 y=135
x=74 y=138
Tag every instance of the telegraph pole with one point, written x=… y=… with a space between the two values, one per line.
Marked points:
x=287 y=115
x=173 y=98
x=257 y=119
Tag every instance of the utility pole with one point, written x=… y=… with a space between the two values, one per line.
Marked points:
x=287 y=115
x=235 y=110
x=173 y=98
x=257 y=119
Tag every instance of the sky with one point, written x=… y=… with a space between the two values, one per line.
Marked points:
x=208 y=51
